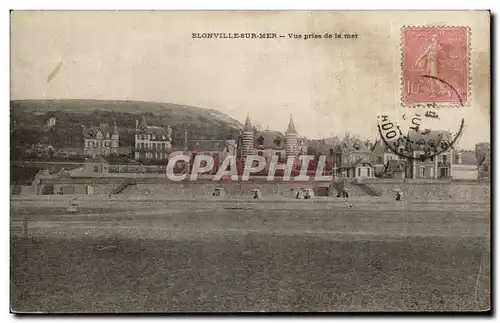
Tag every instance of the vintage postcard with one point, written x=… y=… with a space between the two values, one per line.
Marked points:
x=250 y=161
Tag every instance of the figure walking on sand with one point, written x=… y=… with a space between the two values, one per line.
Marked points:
x=430 y=58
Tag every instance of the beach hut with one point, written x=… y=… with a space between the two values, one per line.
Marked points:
x=304 y=194
x=256 y=193
x=74 y=206
x=399 y=193
x=219 y=191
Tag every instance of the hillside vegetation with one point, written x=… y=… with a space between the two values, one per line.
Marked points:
x=28 y=118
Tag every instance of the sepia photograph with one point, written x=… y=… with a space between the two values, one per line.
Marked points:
x=250 y=161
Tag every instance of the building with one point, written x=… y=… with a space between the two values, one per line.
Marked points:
x=483 y=155
x=151 y=142
x=395 y=168
x=381 y=156
x=95 y=165
x=101 y=141
x=302 y=145
x=318 y=147
x=484 y=169
x=206 y=145
x=438 y=166
x=230 y=147
x=268 y=143
x=49 y=123
x=352 y=158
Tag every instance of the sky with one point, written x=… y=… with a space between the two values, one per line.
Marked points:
x=330 y=86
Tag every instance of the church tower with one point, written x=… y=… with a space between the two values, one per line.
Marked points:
x=247 y=139
x=291 y=139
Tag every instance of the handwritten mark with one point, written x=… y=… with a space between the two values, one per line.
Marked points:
x=54 y=71
x=431 y=114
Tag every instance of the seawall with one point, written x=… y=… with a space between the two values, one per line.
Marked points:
x=412 y=189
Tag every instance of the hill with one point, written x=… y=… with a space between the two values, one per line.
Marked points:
x=28 y=118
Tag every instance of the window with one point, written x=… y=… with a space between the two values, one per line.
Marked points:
x=260 y=153
x=277 y=141
x=107 y=135
x=153 y=137
x=379 y=160
x=422 y=171
x=96 y=169
x=359 y=172
x=260 y=141
x=445 y=158
x=368 y=172
x=138 y=146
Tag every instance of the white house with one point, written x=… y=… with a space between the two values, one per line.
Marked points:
x=101 y=141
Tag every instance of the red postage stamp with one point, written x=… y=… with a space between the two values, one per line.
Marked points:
x=435 y=66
